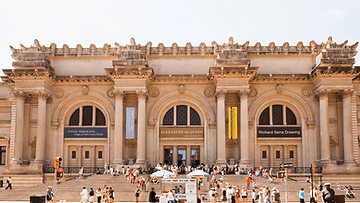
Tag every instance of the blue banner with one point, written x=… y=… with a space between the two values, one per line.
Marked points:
x=85 y=132
x=130 y=122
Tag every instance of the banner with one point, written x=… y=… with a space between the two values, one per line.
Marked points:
x=232 y=122
x=130 y=122
x=85 y=132
x=279 y=132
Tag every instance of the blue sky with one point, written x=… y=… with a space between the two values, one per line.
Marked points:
x=109 y=21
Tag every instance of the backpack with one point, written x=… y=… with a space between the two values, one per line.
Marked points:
x=277 y=196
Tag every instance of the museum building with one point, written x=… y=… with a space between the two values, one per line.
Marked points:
x=141 y=105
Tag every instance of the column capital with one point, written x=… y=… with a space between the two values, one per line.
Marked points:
x=20 y=95
x=321 y=93
x=243 y=93
x=220 y=94
x=141 y=94
x=42 y=94
x=346 y=92
x=119 y=94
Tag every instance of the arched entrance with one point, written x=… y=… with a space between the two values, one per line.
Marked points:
x=181 y=131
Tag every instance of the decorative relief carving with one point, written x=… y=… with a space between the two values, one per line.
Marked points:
x=154 y=92
x=20 y=94
x=306 y=91
x=141 y=94
x=322 y=93
x=253 y=92
x=119 y=94
x=347 y=92
x=85 y=89
x=110 y=93
x=59 y=93
x=272 y=46
x=43 y=95
x=279 y=88
x=243 y=93
x=209 y=92
x=220 y=94
x=181 y=89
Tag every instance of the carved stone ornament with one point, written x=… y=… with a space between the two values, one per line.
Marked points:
x=347 y=92
x=20 y=94
x=209 y=92
x=85 y=89
x=110 y=93
x=59 y=93
x=307 y=92
x=253 y=92
x=243 y=93
x=119 y=94
x=154 y=92
x=220 y=94
x=322 y=93
x=142 y=94
x=181 y=89
x=279 y=88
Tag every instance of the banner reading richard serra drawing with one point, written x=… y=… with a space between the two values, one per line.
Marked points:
x=279 y=131
x=85 y=132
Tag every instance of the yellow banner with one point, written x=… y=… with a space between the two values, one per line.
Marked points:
x=232 y=122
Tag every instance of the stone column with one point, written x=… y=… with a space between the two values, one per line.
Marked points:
x=66 y=156
x=79 y=152
x=324 y=126
x=285 y=149
x=175 y=155
x=244 y=127
x=202 y=153
x=271 y=155
x=347 y=126
x=188 y=154
x=141 y=138
x=19 y=126
x=220 y=127
x=161 y=154
x=298 y=150
x=119 y=139
x=41 y=126
x=93 y=156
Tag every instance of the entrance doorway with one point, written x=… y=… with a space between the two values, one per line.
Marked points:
x=185 y=155
x=181 y=157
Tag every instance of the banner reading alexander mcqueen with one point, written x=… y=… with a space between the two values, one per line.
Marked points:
x=181 y=132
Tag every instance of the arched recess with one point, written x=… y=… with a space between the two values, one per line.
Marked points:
x=69 y=104
x=163 y=104
x=299 y=107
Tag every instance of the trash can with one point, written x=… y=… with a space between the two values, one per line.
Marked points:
x=37 y=199
x=339 y=198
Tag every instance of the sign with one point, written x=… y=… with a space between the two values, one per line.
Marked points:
x=85 y=132
x=59 y=173
x=232 y=122
x=313 y=168
x=130 y=122
x=279 y=132
x=286 y=165
x=181 y=132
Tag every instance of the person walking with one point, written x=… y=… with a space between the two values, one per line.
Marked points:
x=152 y=195
x=9 y=184
x=91 y=195
x=84 y=195
x=98 y=195
x=49 y=195
x=302 y=195
x=327 y=194
x=111 y=195
x=81 y=172
x=275 y=196
x=137 y=194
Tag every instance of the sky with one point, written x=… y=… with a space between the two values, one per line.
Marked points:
x=108 y=21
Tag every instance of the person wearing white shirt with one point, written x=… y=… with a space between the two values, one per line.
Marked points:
x=84 y=195
x=170 y=197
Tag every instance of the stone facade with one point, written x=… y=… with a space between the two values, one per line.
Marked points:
x=143 y=105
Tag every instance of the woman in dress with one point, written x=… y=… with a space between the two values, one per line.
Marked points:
x=244 y=195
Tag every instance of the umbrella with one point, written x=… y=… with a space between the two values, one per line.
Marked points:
x=198 y=173
x=163 y=173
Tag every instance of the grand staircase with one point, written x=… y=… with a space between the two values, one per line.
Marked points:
x=124 y=191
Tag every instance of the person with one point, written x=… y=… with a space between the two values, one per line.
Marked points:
x=244 y=194
x=254 y=184
x=98 y=195
x=81 y=172
x=170 y=197
x=212 y=195
x=253 y=196
x=49 y=195
x=223 y=198
x=248 y=181
x=111 y=195
x=313 y=194
x=267 y=195
x=261 y=195
x=91 y=195
x=84 y=195
x=9 y=184
x=230 y=195
x=327 y=194
x=302 y=195
x=275 y=196
x=349 y=193
x=152 y=195
x=137 y=194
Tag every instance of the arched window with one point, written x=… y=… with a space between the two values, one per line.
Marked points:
x=181 y=115
x=277 y=115
x=87 y=116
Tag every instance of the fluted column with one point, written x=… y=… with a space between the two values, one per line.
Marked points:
x=220 y=127
x=41 y=126
x=244 y=127
x=347 y=126
x=79 y=152
x=285 y=149
x=19 y=128
x=119 y=115
x=271 y=156
x=188 y=154
x=175 y=155
x=141 y=139
x=93 y=156
x=324 y=125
